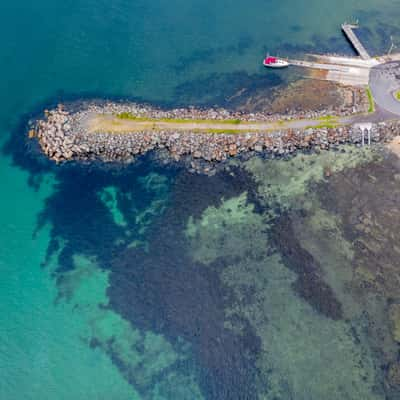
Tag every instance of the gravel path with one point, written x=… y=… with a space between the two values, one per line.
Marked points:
x=109 y=123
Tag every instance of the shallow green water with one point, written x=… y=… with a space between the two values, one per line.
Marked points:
x=110 y=285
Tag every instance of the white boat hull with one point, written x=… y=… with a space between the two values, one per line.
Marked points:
x=278 y=64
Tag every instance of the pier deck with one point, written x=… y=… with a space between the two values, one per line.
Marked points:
x=352 y=37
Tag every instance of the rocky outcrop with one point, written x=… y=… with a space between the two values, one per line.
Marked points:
x=62 y=136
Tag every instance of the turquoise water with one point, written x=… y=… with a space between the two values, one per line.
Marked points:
x=110 y=285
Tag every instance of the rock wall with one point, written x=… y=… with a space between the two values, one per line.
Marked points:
x=63 y=137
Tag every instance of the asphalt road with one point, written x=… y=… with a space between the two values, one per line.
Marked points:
x=384 y=82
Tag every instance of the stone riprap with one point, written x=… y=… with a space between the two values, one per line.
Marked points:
x=63 y=136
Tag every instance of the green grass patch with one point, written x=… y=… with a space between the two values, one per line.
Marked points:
x=127 y=115
x=328 y=118
x=371 y=101
x=199 y=121
x=323 y=126
x=132 y=117
x=227 y=131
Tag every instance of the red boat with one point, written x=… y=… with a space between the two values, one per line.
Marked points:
x=275 y=62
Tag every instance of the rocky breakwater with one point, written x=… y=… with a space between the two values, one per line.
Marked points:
x=56 y=137
x=63 y=136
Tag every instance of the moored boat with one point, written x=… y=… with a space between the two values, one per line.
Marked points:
x=275 y=62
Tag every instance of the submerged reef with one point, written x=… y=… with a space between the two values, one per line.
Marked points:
x=244 y=285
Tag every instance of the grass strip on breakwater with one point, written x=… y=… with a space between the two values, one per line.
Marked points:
x=103 y=123
x=326 y=122
x=371 y=107
x=114 y=124
x=323 y=126
x=131 y=117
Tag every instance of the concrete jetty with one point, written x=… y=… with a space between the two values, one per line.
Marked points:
x=348 y=30
x=340 y=70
